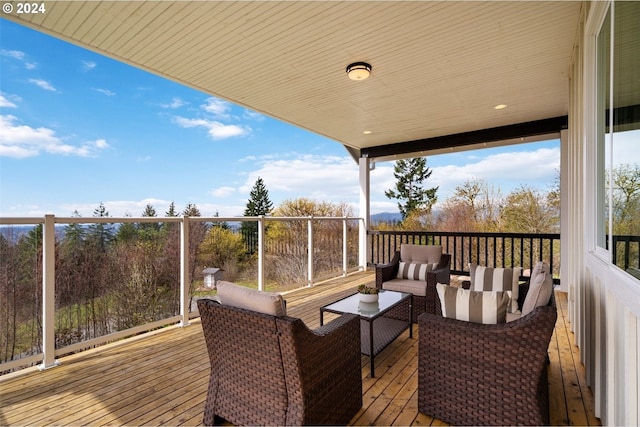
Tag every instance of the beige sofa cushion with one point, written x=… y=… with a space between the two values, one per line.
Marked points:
x=540 y=289
x=414 y=287
x=422 y=254
x=251 y=299
x=489 y=307
x=497 y=279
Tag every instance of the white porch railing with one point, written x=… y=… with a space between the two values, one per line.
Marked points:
x=49 y=351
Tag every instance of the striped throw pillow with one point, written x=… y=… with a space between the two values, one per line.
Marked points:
x=497 y=279
x=413 y=271
x=473 y=306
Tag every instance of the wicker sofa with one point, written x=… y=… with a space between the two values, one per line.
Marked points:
x=273 y=370
x=485 y=374
x=439 y=272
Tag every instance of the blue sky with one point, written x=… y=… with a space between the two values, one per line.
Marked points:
x=78 y=129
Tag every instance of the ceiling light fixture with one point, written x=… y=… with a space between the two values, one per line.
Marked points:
x=500 y=106
x=358 y=70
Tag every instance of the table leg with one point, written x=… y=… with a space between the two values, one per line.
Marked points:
x=371 y=355
x=321 y=317
x=410 y=320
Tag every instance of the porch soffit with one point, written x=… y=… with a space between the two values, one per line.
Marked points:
x=439 y=68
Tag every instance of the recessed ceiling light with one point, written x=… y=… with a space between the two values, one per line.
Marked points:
x=366 y=132
x=500 y=106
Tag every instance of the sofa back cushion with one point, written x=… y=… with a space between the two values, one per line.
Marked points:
x=251 y=299
x=473 y=306
x=420 y=254
x=497 y=279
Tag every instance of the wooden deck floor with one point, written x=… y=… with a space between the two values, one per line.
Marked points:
x=160 y=378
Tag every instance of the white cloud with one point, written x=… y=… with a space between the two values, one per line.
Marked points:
x=88 y=65
x=252 y=115
x=20 y=56
x=215 y=129
x=217 y=107
x=317 y=177
x=43 y=84
x=176 y=102
x=105 y=91
x=20 y=141
x=5 y=103
x=223 y=191
x=15 y=54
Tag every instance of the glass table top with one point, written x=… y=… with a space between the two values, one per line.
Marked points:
x=352 y=304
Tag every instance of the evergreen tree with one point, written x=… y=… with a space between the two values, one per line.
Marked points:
x=191 y=210
x=101 y=234
x=172 y=211
x=410 y=175
x=258 y=204
x=149 y=228
x=74 y=235
x=127 y=231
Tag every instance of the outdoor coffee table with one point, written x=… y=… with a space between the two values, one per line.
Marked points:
x=380 y=323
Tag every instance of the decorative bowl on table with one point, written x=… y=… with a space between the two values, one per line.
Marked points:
x=368 y=298
x=368 y=294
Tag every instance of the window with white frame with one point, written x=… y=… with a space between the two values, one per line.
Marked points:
x=618 y=133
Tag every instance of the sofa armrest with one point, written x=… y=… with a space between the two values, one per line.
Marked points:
x=386 y=272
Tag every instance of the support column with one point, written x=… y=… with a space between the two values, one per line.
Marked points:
x=310 y=251
x=184 y=271
x=261 y=253
x=48 y=293
x=364 y=213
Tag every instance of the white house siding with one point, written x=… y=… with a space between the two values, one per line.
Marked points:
x=604 y=301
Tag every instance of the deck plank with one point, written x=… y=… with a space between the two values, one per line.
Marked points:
x=160 y=378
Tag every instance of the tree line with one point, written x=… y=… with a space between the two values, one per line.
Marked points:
x=112 y=277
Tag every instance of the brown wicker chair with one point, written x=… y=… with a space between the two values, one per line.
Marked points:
x=268 y=370
x=476 y=374
x=440 y=274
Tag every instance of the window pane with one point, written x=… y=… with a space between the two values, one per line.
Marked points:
x=625 y=177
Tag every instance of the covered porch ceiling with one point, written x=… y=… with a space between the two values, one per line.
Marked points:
x=439 y=68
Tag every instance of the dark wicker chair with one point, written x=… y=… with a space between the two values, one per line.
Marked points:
x=441 y=274
x=476 y=374
x=268 y=370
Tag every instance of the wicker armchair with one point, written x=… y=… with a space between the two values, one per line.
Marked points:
x=477 y=374
x=270 y=370
x=423 y=298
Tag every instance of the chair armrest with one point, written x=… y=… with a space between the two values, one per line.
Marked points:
x=334 y=325
x=443 y=269
x=323 y=367
x=386 y=272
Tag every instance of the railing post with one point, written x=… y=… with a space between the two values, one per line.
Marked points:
x=184 y=271
x=345 y=246
x=48 y=293
x=261 y=252
x=310 y=251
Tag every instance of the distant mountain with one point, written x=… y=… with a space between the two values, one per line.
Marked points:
x=389 y=217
